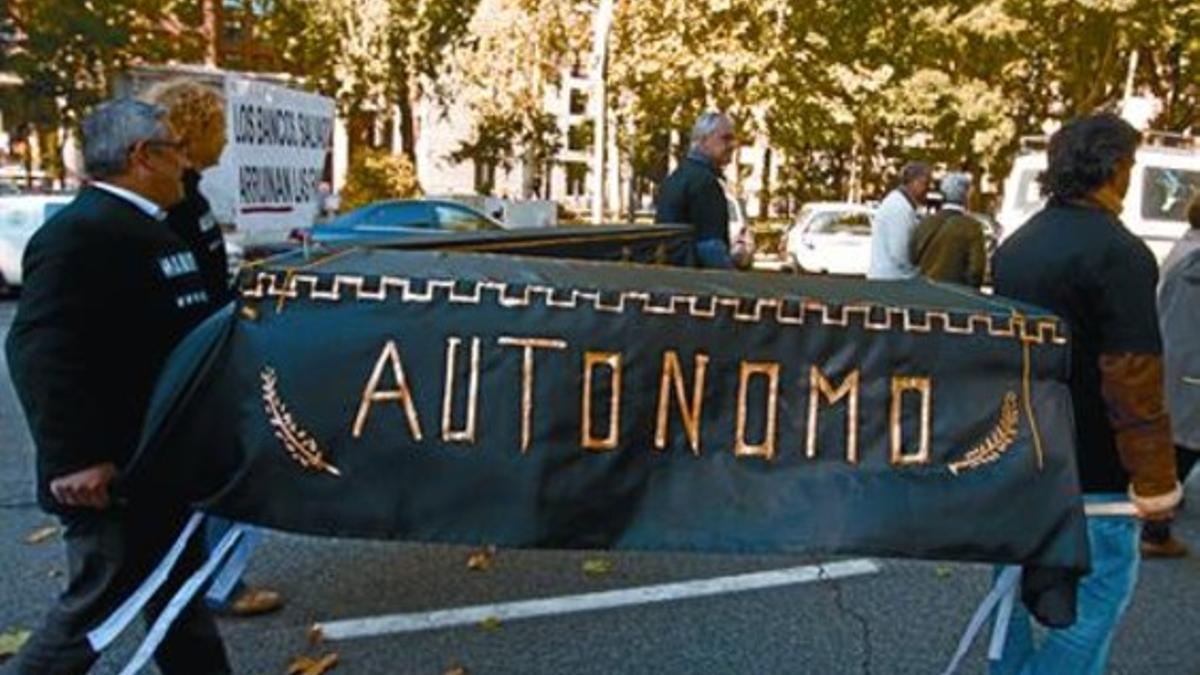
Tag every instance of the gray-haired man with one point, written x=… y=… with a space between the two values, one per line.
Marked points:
x=893 y=223
x=693 y=194
x=109 y=291
x=949 y=245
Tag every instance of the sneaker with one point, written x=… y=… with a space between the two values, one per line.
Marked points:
x=1167 y=548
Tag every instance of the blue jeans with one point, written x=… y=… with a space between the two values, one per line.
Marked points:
x=1082 y=649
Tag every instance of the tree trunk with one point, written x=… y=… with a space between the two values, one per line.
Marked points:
x=405 y=105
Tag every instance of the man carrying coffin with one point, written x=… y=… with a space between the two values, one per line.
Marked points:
x=109 y=291
x=1076 y=258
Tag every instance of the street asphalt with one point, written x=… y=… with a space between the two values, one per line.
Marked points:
x=904 y=619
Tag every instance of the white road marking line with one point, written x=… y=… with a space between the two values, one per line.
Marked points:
x=391 y=624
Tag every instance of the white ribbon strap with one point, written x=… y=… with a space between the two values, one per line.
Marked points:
x=1005 y=586
x=231 y=573
x=180 y=601
x=103 y=635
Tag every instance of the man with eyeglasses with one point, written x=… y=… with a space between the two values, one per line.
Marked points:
x=693 y=194
x=109 y=291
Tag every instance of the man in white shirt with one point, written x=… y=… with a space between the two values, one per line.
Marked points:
x=893 y=223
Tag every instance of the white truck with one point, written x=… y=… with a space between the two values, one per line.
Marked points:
x=1165 y=177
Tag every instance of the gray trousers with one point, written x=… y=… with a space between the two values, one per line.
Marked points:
x=109 y=553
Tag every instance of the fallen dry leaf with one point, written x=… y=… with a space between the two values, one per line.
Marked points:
x=481 y=560
x=315 y=634
x=491 y=623
x=54 y=573
x=456 y=669
x=595 y=567
x=942 y=571
x=42 y=534
x=11 y=642
x=306 y=665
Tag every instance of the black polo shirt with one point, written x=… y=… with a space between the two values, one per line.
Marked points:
x=1080 y=262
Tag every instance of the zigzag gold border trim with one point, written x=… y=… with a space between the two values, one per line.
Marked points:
x=997 y=442
x=300 y=445
x=783 y=311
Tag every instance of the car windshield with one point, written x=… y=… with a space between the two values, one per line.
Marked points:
x=1167 y=192
x=458 y=219
x=835 y=222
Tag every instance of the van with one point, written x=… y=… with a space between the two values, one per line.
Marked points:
x=20 y=217
x=1166 y=176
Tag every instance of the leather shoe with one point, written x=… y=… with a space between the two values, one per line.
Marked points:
x=253 y=601
x=1167 y=548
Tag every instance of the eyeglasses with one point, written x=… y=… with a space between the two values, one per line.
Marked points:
x=163 y=143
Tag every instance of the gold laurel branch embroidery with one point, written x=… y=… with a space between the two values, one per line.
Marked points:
x=299 y=443
x=997 y=442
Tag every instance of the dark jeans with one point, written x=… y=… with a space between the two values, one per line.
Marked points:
x=1160 y=530
x=109 y=553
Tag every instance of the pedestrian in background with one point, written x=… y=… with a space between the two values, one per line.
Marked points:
x=196 y=113
x=949 y=245
x=694 y=195
x=1179 y=317
x=893 y=223
x=108 y=292
x=1076 y=259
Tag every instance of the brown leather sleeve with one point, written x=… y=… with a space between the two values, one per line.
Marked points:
x=1132 y=385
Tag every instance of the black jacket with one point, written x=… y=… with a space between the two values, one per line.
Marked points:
x=108 y=292
x=693 y=195
x=193 y=222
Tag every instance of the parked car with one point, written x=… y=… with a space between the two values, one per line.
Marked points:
x=390 y=220
x=835 y=238
x=830 y=238
x=20 y=217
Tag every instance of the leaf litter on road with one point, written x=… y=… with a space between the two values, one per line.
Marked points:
x=11 y=642
x=307 y=665
x=598 y=567
x=41 y=535
x=482 y=560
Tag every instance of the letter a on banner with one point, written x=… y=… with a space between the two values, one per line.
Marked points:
x=371 y=394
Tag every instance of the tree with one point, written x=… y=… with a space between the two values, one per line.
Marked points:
x=369 y=54
x=517 y=53
x=375 y=175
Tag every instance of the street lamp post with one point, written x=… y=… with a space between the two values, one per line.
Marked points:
x=601 y=25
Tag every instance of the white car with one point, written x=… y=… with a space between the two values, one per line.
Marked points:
x=20 y=217
x=831 y=238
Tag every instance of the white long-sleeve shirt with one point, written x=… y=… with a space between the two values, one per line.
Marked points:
x=891 y=230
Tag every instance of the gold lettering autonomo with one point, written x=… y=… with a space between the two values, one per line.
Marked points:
x=600 y=422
